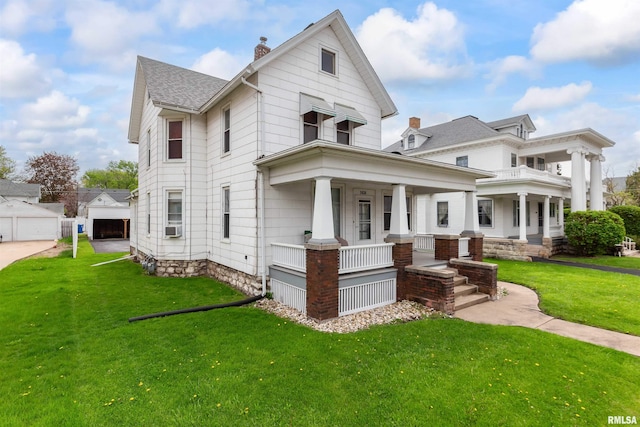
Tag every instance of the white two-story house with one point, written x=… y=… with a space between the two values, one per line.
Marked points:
x=528 y=174
x=235 y=177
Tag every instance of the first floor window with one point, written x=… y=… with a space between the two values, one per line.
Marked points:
x=516 y=213
x=387 y=212
x=174 y=208
x=443 y=214
x=462 y=161
x=174 y=142
x=552 y=210
x=148 y=213
x=225 y=212
x=485 y=213
x=311 y=126
x=335 y=206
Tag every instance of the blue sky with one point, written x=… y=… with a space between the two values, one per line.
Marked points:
x=67 y=67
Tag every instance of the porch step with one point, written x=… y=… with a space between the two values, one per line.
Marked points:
x=465 y=301
x=465 y=289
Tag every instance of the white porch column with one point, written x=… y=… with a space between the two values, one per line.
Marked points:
x=523 y=216
x=399 y=226
x=578 y=187
x=471 y=221
x=561 y=213
x=322 y=228
x=595 y=192
x=545 y=218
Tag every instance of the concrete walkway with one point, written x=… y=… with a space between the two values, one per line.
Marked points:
x=520 y=308
x=14 y=251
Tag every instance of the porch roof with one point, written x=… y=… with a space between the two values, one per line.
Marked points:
x=554 y=147
x=329 y=159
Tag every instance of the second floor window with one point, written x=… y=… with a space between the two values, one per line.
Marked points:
x=226 y=144
x=343 y=132
x=174 y=142
x=462 y=161
x=514 y=160
x=311 y=126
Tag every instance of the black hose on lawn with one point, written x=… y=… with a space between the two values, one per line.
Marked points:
x=196 y=309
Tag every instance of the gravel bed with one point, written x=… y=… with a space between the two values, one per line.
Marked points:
x=403 y=311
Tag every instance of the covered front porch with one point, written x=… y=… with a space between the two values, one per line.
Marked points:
x=361 y=219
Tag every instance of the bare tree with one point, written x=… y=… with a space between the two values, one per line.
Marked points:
x=56 y=174
x=616 y=194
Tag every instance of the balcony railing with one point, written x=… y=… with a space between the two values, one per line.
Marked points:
x=365 y=257
x=524 y=172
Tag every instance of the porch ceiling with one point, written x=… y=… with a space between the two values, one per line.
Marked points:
x=322 y=158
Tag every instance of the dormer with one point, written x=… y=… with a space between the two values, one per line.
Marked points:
x=412 y=137
x=520 y=126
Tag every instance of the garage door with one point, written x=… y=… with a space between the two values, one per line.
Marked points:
x=6 y=229
x=110 y=229
x=37 y=229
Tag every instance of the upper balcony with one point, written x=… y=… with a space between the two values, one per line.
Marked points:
x=526 y=174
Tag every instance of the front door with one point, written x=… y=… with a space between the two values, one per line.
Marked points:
x=364 y=225
x=540 y=217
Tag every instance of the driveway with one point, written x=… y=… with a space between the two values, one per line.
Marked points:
x=110 y=245
x=14 y=251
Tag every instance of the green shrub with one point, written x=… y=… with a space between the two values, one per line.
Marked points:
x=631 y=217
x=594 y=232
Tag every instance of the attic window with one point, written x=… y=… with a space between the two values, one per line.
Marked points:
x=411 y=142
x=328 y=61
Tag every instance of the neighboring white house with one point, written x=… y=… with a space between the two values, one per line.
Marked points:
x=24 y=192
x=105 y=213
x=234 y=174
x=528 y=173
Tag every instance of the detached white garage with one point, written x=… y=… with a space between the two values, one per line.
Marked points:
x=24 y=221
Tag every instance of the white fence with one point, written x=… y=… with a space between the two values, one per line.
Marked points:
x=363 y=297
x=289 y=256
x=463 y=246
x=365 y=257
x=629 y=244
x=424 y=242
x=289 y=295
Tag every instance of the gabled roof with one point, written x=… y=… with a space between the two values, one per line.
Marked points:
x=18 y=189
x=87 y=195
x=464 y=129
x=512 y=121
x=181 y=89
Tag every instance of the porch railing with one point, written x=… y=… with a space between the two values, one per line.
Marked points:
x=524 y=172
x=629 y=244
x=357 y=298
x=289 y=256
x=365 y=257
x=424 y=242
x=463 y=246
x=289 y=295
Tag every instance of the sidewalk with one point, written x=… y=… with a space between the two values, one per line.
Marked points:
x=14 y=251
x=520 y=308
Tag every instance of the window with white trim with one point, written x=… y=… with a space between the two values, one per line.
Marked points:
x=552 y=210
x=343 y=132
x=148 y=213
x=311 y=124
x=516 y=213
x=443 y=214
x=387 y=202
x=174 y=139
x=174 y=208
x=411 y=142
x=485 y=213
x=328 y=61
x=149 y=148
x=226 y=131
x=514 y=160
x=226 y=212
x=462 y=161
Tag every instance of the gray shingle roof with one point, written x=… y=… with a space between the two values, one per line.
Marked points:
x=464 y=129
x=497 y=124
x=86 y=195
x=18 y=189
x=177 y=86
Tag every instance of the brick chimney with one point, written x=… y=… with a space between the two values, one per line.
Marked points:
x=261 y=49
x=414 y=122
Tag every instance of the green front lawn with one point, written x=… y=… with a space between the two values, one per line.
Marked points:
x=70 y=357
x=606 y=260
x=582 y=295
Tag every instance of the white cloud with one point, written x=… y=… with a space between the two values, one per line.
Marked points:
x=21 y=75
x=431 y=46
x=55 y=111
x=105 y=32
x=20 y=16
x=594 y=30
x=193 y=13
x=502 y=68
x=219 y=63
x=537 y=98
x=634 y=98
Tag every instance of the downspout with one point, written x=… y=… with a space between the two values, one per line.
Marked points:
x=260 y=185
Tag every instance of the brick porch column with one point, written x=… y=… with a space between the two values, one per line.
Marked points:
x=476 y=242
x=322 y=280
x=402 y=253
x=446 y=246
